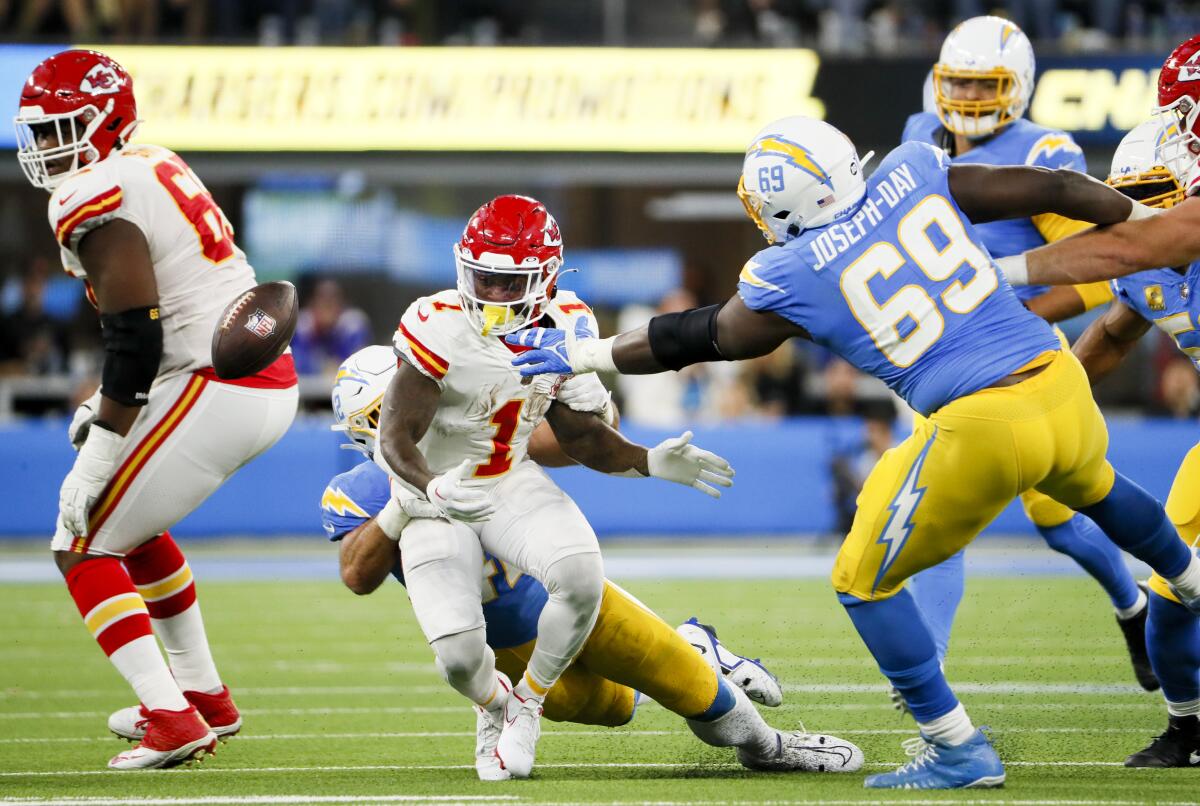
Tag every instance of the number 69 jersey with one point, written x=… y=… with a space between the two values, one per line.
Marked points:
x=487 y=411
x=903 y=288
x=197 y=266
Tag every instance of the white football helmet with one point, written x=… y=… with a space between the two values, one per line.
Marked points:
x=984 y=49
x=800 y=173
x=358 y=390
x=1139 y=169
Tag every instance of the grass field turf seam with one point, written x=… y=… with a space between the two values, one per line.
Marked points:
x=351 y=684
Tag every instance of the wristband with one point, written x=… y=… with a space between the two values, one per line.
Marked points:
x=1015 y=268
x=392 y=519
x=1140 y=211
x=593 y=355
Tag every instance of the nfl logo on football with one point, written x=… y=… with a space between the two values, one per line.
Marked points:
x=261 y=323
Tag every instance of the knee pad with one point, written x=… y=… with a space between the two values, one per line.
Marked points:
x=462 y=655
x=578 y=580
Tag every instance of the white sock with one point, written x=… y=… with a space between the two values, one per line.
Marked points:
x=1191 y=708
x=1126 y=613
x=529 y=689
x=1188 y=583
x=951 y=729
x=186 y=643
x=142 y=665
x=742 y=727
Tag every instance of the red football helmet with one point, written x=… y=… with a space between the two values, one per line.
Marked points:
x=508 y=260
x=83 y=102
x=1179 y=102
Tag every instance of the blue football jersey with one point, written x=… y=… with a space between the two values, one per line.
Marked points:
x=1168 y=299
x=512 y=601
x=1019 y=143
x=902 y=288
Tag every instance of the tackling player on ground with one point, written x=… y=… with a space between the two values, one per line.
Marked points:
x=629 y=650
x=158 y=260
x=891 y=275
x=454 y=430
x=981 y=87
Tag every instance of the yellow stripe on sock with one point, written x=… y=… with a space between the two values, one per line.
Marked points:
x=537 y=687
x=113 y=609
x=168 y=586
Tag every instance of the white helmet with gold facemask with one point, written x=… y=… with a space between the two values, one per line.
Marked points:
x=993 y=58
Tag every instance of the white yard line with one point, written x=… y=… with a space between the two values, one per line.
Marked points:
x=253 y=800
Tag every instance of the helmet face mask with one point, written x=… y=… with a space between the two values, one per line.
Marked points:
x=1139 y=170
x=508 y=261
x=76 y=108
x=1179 y=109
x=983 y=78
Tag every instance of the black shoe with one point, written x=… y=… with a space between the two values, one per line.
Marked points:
x=1178 y=747
x=1134 y=630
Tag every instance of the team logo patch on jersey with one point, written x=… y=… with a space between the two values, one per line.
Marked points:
x=261 y=323
x=1154 y=298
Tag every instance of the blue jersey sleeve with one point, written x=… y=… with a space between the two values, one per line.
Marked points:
x=1056 y=150
x=353 y=498
x=765 y=281
x=923 y=127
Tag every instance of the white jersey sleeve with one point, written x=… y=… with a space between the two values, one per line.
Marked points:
x=569 y=312
x=425 y=336
x=197 y=266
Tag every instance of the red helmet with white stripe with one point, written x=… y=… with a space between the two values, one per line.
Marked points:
x=76 y=108
x=508 y=260
x=1179 y=102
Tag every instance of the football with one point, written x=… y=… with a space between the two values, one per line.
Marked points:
x=254 y=330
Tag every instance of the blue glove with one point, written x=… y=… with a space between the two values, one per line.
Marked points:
x=551 y=348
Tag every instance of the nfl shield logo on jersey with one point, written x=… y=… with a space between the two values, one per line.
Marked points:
x=261 y=323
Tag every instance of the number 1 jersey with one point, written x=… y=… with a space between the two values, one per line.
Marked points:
x=198 y=268
x=903 y=288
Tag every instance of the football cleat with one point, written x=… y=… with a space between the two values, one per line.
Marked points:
x=1134 y=630
x=747 y=674
x=518 y=738
x=1179 y=746
x=1191 y=603
x=488 y=726
x=939 y=766
x=898 y=701
x=217 y=710
x=169 y=738
x=806 y=752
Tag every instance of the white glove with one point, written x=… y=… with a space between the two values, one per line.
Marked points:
x=94 y=466
x=586 y=393
x=675 y=460
x=392 y=519
x=1015 y=268
x=456 y=501
x=81 y=423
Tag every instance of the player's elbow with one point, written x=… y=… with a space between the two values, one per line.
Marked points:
x=359 y=580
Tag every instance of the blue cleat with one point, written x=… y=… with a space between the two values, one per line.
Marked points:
x=939 y=766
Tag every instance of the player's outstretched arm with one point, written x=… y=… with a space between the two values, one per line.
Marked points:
x=1106 y=342
x=991 y=193
x=409 y=404
x=593 y=443
x=366 y=556
x=1169 y=239
x=728 y=332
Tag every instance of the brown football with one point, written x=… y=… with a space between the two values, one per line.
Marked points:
x=254 y=330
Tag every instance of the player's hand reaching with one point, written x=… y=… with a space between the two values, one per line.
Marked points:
x=456 y=501
x=553 y=351
x=679 y=461
x=94 y=466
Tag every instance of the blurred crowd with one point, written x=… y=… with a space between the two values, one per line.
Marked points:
x=857 y=27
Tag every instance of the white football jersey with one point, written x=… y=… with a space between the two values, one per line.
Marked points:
x=198 y=268
x=487 y=411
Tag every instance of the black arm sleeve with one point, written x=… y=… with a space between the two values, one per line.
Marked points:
x=133 y=346
x=678 y=340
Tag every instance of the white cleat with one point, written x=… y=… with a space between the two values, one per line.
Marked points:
x=518 y=738
x=487 y=736
x=170 y=738
x=747 y=674
x=806 y=752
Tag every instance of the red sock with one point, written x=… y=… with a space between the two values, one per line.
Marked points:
x=112 y=610
x=161 y=574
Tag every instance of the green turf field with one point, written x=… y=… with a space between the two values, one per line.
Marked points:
x=342 y=703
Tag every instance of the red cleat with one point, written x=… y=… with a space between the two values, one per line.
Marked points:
x=217 y=710
x=169 y=738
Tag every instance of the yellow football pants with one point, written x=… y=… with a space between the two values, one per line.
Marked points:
x=932 y=494
x=1183 y=508
x=629 y=649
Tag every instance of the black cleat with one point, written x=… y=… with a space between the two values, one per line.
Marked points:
x=1134 y=630
x=1178 y=747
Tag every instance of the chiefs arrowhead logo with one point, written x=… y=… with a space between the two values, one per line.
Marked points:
x=100 y=80
x=1190 y=70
